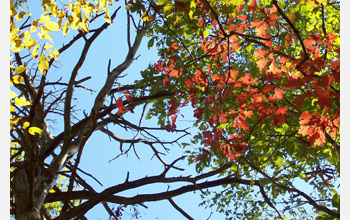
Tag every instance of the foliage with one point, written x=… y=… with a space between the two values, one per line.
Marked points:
x=262 y=78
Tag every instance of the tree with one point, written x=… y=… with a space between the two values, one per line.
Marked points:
x=261 y=77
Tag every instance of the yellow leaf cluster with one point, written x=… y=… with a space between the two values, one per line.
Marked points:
x=43 y=64
x=36 y=37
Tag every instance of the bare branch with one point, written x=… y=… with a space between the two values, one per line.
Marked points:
x=290 y=189
x=179 y=209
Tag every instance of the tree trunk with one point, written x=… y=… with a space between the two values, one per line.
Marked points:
x=25 y=209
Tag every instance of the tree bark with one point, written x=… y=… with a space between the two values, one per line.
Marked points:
x=25 y=208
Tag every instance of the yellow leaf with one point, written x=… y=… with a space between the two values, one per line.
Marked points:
x=53 y=8
x=17 y=79
x=65 y=28
x=34 y=26
x=12 y=108
x=35 y=51
x=205 y=33
x=313 y=3
x=13 y=11
x=55 y=53
x=47 y=46
x=44 y=18
x=33 y=130
x=60 y=16
x=20 y=69
x=12 y=95
x=87 y=9
x=27 y=34
x=25 y=125
x=43 y=64
x=17 y=46
x=20 y=16
x=107 y=19
x=13 y=121
x=21 y=101
x=77 y=12
x=84 y=25
x=324 y=2
x=29 y=43
x=44 y=35
x=52 y=26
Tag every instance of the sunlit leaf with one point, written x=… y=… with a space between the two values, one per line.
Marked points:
x=35 y=130
x=43 y=64
x=19 y=101
x=25 y=125
x=52 y=26
x=20 y=69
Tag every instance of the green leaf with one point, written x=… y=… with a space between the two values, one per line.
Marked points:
x=263 y=181
x=279 y=161
x=151 y=43
x=224 y=125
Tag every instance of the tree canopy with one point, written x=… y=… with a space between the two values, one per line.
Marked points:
x=261 y=78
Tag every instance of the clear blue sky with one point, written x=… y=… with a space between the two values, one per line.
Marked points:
x=112 y=44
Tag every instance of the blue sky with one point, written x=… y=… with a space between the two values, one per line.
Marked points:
x=111 y=44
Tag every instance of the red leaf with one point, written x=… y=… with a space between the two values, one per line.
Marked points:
x=243 y=125
x=273 y=68
x=248 y=114
x=128 y=96
x=119 y=104
x=252 y=6
x=278 y=120
x=217 y=78
x=281 y=110
x=175 y=73
x=268 y=88
x=259 y=53
x=172 y=48
x=258 y=98
x=189 y=82
x=233 y=74
x=246 y=79
x=336 y=122
x=284 y=59
x=166 y=82
x=261 y=63
x=173 y=107
x=279 y=93
x=198 y=112
x=324 y=99
x=243 y=17
x=305 y=118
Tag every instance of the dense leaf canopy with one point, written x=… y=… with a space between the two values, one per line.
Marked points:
x=262 y=78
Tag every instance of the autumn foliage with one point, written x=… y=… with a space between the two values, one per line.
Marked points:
x=261 y=79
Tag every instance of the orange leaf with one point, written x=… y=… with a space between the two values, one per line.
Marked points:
x=279 y=93
x=119 y=104
x=287 y=40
